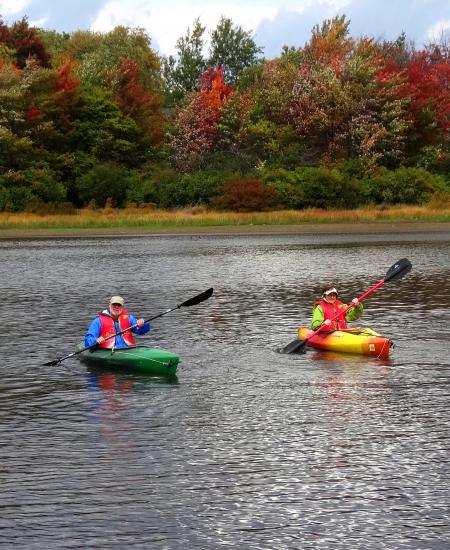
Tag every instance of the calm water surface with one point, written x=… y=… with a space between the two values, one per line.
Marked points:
x=247 y=448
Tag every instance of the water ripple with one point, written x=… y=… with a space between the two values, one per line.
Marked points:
x=247 y=448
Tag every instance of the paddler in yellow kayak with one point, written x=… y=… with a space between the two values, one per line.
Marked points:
x=328 y=307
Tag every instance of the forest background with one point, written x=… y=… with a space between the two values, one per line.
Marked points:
x=99 y=119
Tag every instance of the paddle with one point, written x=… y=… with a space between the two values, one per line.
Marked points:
x=395 y=272
x=191 y=302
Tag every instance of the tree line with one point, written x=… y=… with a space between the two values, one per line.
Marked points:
x=90 y=118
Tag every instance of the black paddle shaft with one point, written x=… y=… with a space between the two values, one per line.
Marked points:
x=191 y=302
x=394 y=273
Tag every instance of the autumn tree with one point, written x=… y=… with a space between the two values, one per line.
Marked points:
x=261 y=113
x=135 y=101
x=330 y=43
x=25 y=42
x=428 y=78
x=196 y=124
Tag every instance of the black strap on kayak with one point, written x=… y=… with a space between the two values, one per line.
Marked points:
x=190 y=302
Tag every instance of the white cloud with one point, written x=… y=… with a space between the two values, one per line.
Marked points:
x=11 y=7
x=166 y=23
x=41 y=22
x=435 y=32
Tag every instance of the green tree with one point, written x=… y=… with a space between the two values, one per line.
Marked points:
x=233 y=49
x=105 y=133
x=13 y=101
x=16 y=153
x=56 y=43
x=99 y=55
x=182 y=74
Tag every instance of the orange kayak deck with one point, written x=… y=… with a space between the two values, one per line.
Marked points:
x=361 y=341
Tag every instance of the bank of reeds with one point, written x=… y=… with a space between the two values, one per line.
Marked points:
x=154 y=219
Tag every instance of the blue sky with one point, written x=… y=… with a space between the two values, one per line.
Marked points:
x=273 y=22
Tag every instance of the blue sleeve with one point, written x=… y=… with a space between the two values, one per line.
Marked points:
x=140 y=331
x=93 y=332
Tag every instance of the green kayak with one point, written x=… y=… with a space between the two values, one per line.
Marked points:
x=139 y=359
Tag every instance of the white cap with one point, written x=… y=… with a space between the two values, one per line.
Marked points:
x=330 y=291
x=117 y=300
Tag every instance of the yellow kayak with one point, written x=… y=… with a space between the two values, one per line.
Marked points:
x=362 y=341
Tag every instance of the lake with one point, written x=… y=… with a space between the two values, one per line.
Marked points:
x=247 y=448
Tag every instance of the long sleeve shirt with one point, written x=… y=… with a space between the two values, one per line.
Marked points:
x=93 y=332
x=352 y=314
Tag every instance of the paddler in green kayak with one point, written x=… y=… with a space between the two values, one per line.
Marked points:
x=112 y=320
x=328 y=307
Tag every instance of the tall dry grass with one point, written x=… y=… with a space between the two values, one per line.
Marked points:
x=202 y=217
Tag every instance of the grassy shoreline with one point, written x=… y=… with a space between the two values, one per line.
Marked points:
x=200 y=220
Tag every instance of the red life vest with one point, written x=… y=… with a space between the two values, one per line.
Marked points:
x=108 y=329
x=330 y=311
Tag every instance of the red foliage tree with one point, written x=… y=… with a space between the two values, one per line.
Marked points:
x=197 y=123
x=428 y=76
x=134 y=101
x=25 y=41
x=64 y=82
x=4 y=32
x=423 y=84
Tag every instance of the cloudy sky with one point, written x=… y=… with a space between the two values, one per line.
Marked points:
x=274 y=22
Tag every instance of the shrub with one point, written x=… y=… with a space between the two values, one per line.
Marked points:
x=44 y=185
x=168 y=189
x=103 y=181
x=325 y=188
x=22 y=187
x=200 y=187
x=146 y=189
x=315 y=188
x=246 y=194
x=405 y=186
x=434 y=158
x=5 y=198
x=439 y=200
x=36 y=206
x=15 y=199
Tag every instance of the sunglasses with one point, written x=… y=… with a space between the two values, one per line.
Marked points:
x=117 y=305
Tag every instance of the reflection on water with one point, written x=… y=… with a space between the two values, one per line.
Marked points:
x=246 y=448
